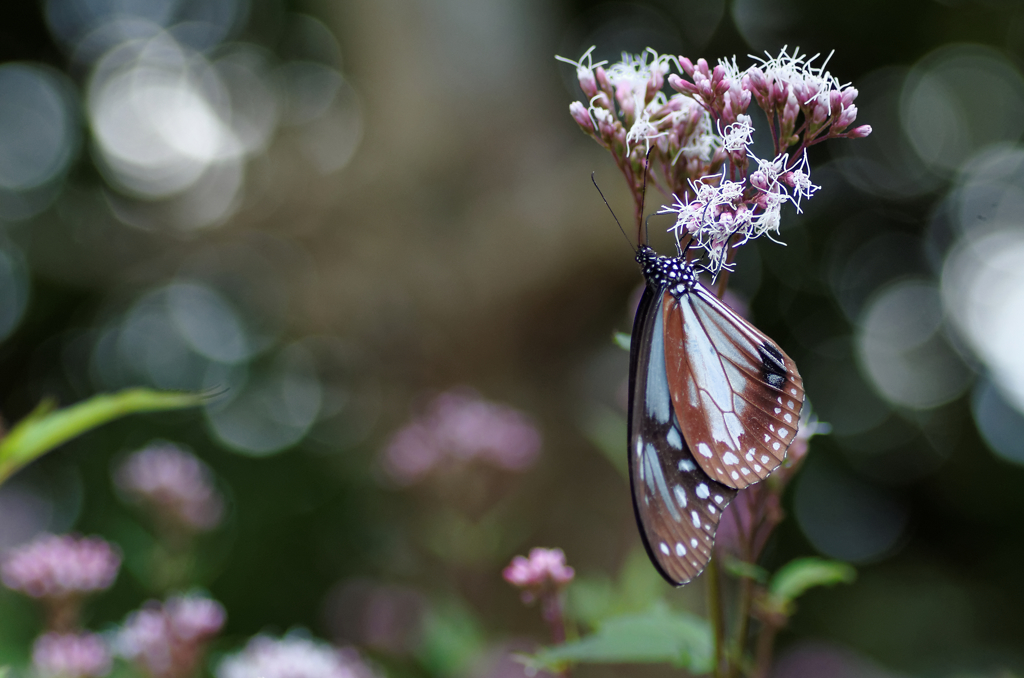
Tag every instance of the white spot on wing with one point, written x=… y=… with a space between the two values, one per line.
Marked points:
x=693 y=543
x=730 y=459
x=703 y=449
x=764 y=458
x=775 y=446
x=680 y=550
x=719 y=499
x=696 y=518
x=702 y=491
x=680 y=495
x=673 y=438
x=664 y=548
x=687 y=465
x=735 y=476
x=788 y=418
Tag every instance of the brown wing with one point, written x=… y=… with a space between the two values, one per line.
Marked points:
x=677 y=506
x=738 y=396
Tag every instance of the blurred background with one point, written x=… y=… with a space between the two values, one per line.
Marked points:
x=337 y=211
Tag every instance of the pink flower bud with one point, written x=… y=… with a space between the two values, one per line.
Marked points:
x=835 y=101
x=680 y=85
x=847 y=117
x=819 y=114
x=686 y=65
x=587 y=82
x=654 y=85
x=849 y=96
x=859 y=132
x=756 y=80
x=722 y=87
x=718 y=74
x=702 y=67
x=602 y=78
x=580 y=114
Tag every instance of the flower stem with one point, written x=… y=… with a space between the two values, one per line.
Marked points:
x=715 y=613
x=765 y=647
x=742 y=623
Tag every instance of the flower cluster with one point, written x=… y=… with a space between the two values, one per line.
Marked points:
x=697 y=143
x=169 y=640
x=57 y=567
x=458 y=426
x=544 y=570
x=543 y=576
x=293 y=657
x=174 y=484
x=70 y=655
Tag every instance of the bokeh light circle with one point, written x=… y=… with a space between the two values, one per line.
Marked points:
x=983 y=290
x=845 y=517
x=902 y=350
x=38 y=126
x=959 y=99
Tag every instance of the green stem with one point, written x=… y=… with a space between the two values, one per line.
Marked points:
x=742 y=623
x=765 y=646
x=715 y=613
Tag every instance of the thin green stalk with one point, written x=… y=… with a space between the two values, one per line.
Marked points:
x=715 y=613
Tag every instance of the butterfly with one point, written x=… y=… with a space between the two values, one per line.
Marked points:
x=713 y=406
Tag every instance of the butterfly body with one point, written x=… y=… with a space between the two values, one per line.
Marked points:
x=713 y=406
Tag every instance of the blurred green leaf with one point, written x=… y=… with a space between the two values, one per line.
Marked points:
x=46 y=428
x=795 y=577
x=639 y=588
x=657 y=636
x=745 y=570
x=591 y=599
x=606 y=429
x=622 y=340
x=452 y=639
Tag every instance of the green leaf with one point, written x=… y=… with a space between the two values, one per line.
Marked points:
x=657 y=636
x=795 y=577
x=606 y=429
x=46 y=428
x=745 y=570
x=452 y=639
x=622 y=340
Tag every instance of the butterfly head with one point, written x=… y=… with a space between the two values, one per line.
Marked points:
x=659 y=271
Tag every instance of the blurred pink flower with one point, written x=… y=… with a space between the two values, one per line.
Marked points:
x=544 y=570
x=60 y=566
x=293 y=657
x=70 y=655
x=174 y=484
x=461 y=426
x=168 y=641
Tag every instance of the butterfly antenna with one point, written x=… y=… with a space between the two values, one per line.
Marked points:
x=612 y=211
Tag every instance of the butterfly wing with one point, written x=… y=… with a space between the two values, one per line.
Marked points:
x=677 y=505
x=737 y=394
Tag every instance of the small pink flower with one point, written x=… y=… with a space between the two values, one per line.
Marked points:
x=70 y=655
x=544 y=570
x=60 y=566
x=174 y=484
x=293 y=657
x=457 y=427
x=168 y=641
